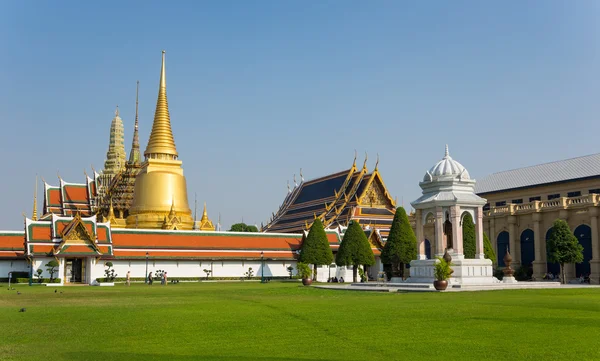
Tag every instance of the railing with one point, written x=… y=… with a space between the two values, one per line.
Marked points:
x=588 y=200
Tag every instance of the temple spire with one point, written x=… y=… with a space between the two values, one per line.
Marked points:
x=161 y=140
x=134 y=155
x=195 y=211
x=115 y=157
x=34 y=216
x=446 y=154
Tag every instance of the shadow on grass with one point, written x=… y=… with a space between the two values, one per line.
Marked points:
x=145 y=357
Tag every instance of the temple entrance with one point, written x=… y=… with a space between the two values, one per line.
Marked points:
x=74 y=270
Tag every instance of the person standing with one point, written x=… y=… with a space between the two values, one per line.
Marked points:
x=150 y=278
x=164 y=280
x=128 y=278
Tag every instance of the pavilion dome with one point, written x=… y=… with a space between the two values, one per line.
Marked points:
x=447 y=167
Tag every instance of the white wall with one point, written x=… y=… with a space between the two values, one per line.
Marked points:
x=175 y=269
x=13 y=266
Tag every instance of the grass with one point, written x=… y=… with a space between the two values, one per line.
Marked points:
x=285 y=321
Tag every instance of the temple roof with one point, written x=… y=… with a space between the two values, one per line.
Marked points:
x=335 y=199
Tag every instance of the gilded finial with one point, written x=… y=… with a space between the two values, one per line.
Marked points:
x=365 y=163
x=34 y=213
x=301 y=176
x=354 y=162
x=58 y=175
x=204 y=213
x=111 y=211
x=295 y=183
x=161 y=139
x=377 y=162
x=117 y=111
x=288 y=186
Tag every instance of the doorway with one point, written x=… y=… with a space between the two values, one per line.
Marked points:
x=74 y=270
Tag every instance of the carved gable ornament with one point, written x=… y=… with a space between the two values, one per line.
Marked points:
x=375 y=195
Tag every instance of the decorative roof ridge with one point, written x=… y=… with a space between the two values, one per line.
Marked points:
x=331 y=175
x=5 y=233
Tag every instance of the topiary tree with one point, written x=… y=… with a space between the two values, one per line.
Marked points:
x=468 y=228
x=315 y=248
x=401 y=245
x=243 y=227
x=51 y=268
x=469 y=247
x=488 y=250
x=355 y=249
x=563 y=246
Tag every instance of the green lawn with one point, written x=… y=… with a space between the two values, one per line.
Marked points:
x=285 y=321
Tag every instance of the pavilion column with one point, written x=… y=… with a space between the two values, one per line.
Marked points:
x=479 y=253
x=455 y=213
x=512 y=220
x=595 y=261
x=439 y=231
x=419 y=234
x=539 y=264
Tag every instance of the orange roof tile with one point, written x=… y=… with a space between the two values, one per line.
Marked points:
x=12 y=241
x=75 y=193
x=204 y=240
x=40 y=233
x=209 y=254
x=54 y=195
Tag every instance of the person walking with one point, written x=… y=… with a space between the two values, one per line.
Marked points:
x=128 y=278
x=165 y=278
x=150 y=278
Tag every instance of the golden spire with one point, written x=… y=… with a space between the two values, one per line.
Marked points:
x=205 y=223
x=204 y=214
x=111 y=211
x=161 y=140
x=134 y=155
x=34 y=215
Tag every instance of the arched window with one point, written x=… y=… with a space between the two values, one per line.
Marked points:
x=584 y=236
x=427 y=249
x=527 y=248
x=502 y=242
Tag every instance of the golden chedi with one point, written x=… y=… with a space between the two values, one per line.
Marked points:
x=160 y=194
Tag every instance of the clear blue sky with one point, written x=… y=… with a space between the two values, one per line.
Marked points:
x=259 y=89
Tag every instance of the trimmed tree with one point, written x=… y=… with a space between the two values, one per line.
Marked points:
x=488 y=250
x=468 y=229
x=469 y=247
x=563 y=246
x=355 y=249
x=315 y=248
x=243 y=227
x=401 y=245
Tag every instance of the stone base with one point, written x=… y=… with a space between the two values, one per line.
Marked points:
x=508 y=279
x=466 y=271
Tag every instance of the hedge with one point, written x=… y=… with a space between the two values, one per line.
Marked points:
x=35 y=280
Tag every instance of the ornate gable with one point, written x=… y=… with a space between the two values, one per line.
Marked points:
x=75 y=235
x=376 y=194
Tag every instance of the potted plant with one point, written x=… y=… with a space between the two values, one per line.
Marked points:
x=441 y=273
x=305 y=273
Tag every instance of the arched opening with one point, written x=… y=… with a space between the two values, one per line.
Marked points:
x=502 y=242
x=527 y=248
x=427 y=249
x=553 y=268
x=584 y=236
